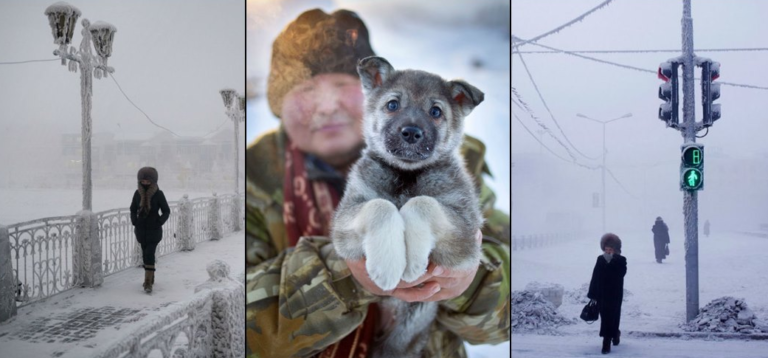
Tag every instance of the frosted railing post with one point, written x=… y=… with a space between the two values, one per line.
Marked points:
x=8 y=284
x=86 y=256
x=228 y=313
x=186 y=239
x=235 y=212
x=214 y=218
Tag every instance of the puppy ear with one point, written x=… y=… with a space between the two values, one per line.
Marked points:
x=466 y=95
x=373 y=71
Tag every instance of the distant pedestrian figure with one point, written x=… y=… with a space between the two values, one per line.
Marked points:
x=147 y=200
x=706 y=228
x=660 y=239
x=607 y=288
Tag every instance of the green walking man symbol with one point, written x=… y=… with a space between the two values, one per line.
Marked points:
x=692 y=178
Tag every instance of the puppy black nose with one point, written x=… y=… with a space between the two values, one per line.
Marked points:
x=411 y=134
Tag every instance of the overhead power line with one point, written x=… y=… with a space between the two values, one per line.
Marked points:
x=561 y=27
x=620 y=185
x=533 y=116
x=548 y=110
x=752 y=49
x=638 y=68
x=27 y=61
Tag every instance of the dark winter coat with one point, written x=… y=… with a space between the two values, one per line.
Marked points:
x=660 y=239
x=607 y=288
x=151 y=220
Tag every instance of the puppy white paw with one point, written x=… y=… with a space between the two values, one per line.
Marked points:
x=419 y=215
x=384 y=245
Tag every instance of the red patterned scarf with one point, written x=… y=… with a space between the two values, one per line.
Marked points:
x=308 y=207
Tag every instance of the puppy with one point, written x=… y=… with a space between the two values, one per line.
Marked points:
x=409 y=199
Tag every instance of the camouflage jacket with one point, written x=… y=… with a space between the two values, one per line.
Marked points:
x=301 y=300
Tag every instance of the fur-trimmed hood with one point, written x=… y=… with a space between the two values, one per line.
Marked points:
x=611 y=240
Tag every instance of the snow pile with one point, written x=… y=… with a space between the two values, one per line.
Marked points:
x=725 y=314
x=532 y=313
x=552 y=292
x=579 y=295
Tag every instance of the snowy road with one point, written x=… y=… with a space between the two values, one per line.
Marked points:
x=656 y=303
x=535 y=346
x=81 y=321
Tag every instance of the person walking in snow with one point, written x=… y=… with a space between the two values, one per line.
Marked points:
x=147 y=200
x=706 y=228
x=660 y=239
x=607 y=288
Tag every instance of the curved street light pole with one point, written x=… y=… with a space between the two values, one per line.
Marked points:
x=604 y=152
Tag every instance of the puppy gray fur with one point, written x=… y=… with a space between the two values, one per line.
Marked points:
x=409 y=199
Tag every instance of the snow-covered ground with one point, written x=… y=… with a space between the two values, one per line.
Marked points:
x=60 y=316
x=573 y=346
x=20 y=205
x=728 y=267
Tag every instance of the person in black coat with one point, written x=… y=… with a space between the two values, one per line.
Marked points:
x=147 y=200
x=660 y=239
x=607 y=288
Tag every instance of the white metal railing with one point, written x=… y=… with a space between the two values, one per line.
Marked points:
x=44 y=252
x=41 y=256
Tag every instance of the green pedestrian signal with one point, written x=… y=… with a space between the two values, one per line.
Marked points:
x=691 y=179
x=692 y=167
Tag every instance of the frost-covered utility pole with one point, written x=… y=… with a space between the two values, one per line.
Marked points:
x=692 y=154
x=604 y=152
x=63 y=17
x=690 y=197
x=235 y=112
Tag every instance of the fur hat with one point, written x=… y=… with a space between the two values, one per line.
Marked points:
x=611 y=240
x=312 y=44
x=147 y=173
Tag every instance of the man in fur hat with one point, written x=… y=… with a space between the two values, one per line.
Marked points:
x=147 y=201
x=302 y=299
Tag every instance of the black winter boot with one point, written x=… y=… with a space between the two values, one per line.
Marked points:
x=149 y=278
x=616 y=339
x=606 y=345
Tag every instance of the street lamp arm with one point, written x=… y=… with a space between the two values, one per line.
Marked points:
x=64 y=55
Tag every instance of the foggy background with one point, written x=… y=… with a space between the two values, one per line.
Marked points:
x=552 y=195
x=170 y=57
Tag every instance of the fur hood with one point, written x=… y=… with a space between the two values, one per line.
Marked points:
x=611 y=240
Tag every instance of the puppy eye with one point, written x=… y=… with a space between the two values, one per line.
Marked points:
x=393 y=105
x=435 y=112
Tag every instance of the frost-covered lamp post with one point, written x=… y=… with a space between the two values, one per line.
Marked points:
x=62 y=18
x=236 y=112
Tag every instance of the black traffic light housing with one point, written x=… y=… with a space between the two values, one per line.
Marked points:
x=710 y=91
x=692 y=167
x=668 y=91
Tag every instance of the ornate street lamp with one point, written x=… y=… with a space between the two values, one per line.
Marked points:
x=62 y=18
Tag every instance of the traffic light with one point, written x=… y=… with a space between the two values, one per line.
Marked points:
x=692 y=167
x=668 y=111
x=710 y=91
